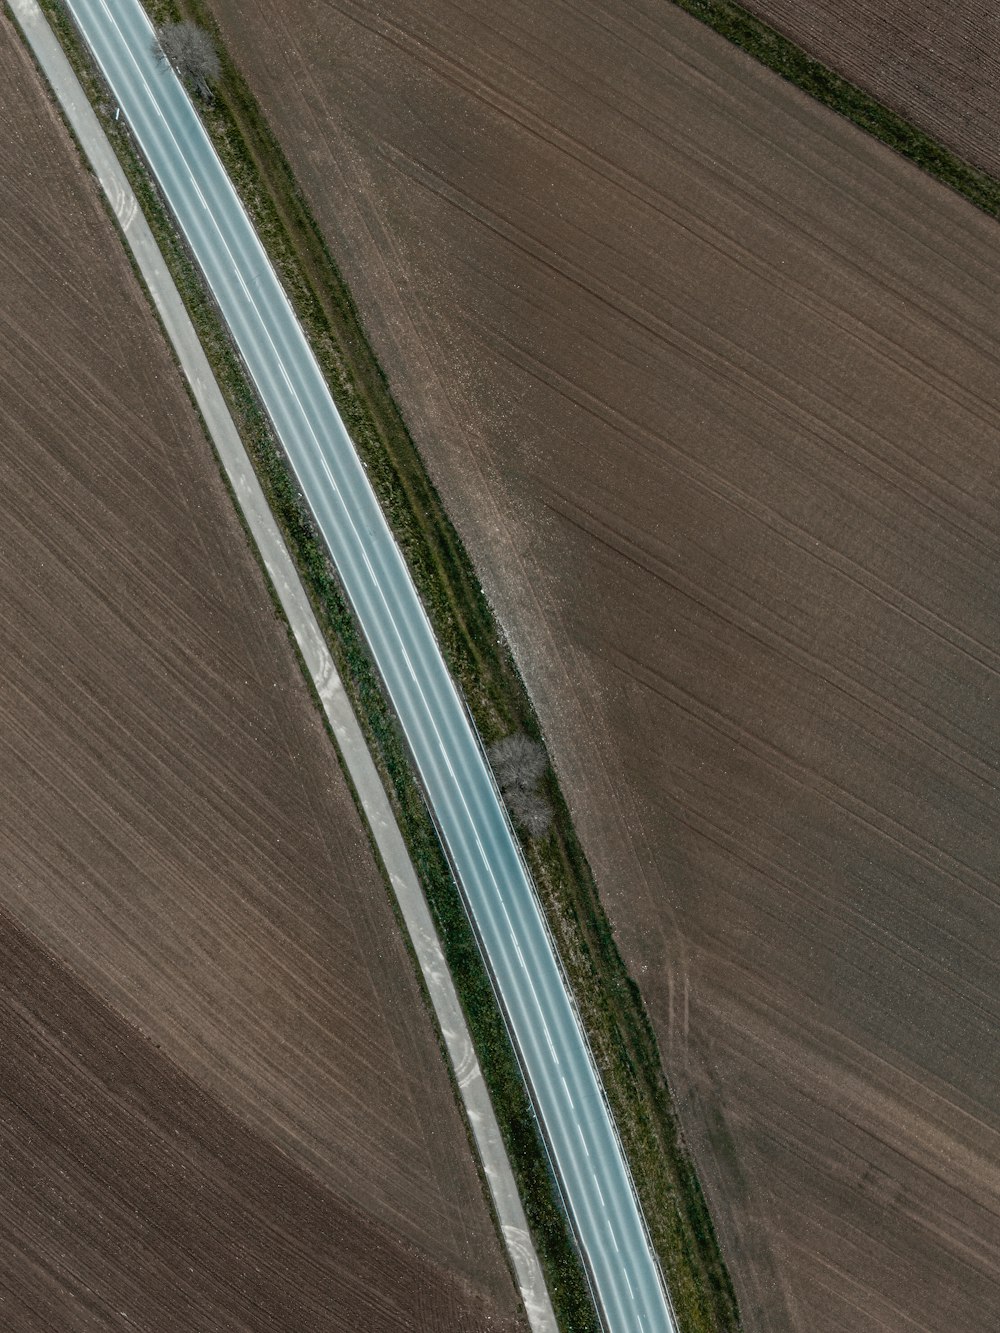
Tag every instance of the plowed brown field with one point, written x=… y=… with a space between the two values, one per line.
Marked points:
x=231 y=1111
x=936 y=62
x=133 y=1199
x=708 y=381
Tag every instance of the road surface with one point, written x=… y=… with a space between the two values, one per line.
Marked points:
x=553 y=1052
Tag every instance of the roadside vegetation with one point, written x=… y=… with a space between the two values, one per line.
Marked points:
x=621 y=1036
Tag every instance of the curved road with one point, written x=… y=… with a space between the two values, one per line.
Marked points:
x=553 y=1052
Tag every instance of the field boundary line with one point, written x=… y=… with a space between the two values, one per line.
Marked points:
x=767 y=44
x=316 y=655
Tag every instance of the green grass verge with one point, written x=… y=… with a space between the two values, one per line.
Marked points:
x=780 y=54
x=619 y=1030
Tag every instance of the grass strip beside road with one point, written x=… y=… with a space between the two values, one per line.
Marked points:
x=619 y=1031
x=780 y=54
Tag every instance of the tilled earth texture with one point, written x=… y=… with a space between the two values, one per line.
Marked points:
x=936 y=62
x=222 y=1102
x=708 y=381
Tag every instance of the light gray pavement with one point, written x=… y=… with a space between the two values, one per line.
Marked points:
x=561 y=1075
x=298 y=611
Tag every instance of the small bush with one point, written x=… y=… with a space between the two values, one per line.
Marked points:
x=519 y=764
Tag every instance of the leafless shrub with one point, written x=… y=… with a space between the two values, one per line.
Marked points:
x=530 y=810
x=519 y=765
x=517 y=761
x=192 y=54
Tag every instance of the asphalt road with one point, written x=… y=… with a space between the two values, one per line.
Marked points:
x=498 y=890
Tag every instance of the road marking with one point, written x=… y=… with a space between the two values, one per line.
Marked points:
x=569 y=1096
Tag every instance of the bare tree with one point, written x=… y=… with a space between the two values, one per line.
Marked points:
x=531 y=810
x=192 y=54
x=519 y=765
x=517 y=761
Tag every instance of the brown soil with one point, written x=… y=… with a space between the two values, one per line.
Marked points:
x=177 y=831
x=132 y=1199
x=936 y=62
x=708 y=381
